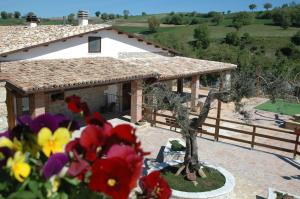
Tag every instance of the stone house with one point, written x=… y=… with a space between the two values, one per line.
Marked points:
x=41 y=65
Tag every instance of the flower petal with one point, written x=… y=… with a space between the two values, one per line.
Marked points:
x=21 y=171
x=5 y=142
x=61 y=136
x=44 y=136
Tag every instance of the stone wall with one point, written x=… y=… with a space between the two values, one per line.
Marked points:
x=3 y=108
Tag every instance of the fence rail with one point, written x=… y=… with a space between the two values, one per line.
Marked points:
x=253 y=133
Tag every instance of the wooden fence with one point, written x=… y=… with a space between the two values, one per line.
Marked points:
x=253 y=133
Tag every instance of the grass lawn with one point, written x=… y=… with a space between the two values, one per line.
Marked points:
x=280 y=106
x=213 y=181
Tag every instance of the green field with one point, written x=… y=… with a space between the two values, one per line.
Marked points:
x=280 y=106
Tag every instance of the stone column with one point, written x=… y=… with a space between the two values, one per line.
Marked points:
x=195 y=83
x=169 y=84
x=136 y=101
x=180 y=85
x=37 y=104
x=3 y=108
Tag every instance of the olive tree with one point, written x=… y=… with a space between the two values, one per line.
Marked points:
x=159 y=97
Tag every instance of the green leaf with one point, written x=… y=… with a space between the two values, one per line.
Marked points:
x=72 y=181
x=22 y=195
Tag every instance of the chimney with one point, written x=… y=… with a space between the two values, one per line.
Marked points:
x=83 y=18
x=32 y=21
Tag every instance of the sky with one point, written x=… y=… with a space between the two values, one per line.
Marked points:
x=55 y=8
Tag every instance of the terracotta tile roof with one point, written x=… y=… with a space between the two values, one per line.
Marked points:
x=47 y=75
x=176 y=67
x=13 y=38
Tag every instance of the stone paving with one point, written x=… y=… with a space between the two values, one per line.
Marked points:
x=254 y=171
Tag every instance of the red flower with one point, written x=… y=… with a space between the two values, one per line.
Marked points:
x=154 y=186
x=95 y=119
x=112 y=177
x=91 y=139
x=74 y=103
x=134 y=160
x=124 y=134
x=76 y=106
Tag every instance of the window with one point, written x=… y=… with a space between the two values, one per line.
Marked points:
x=59 y=96
x=94 y=44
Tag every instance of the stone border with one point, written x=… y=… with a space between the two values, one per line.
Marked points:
x=272 y=194
x=221 y=193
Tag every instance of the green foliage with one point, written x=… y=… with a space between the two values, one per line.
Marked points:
x=97 y=14
x=104 y=16
x=268 y=6
x=201 y=35
x=252 y=7
x=176 y=146
x=290 y=51
x=220 y=52
x=4 y=15
x=218 y=18
x=17 y=14
x=241 y=19
x=296 y=38
x=232 y=38
x=111 y=16
x=213 y=181
x=153 y=24
x=286 y=16
x=71 y=18
x=126 y=14
x=144 y=14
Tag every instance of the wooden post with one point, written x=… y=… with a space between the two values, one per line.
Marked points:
x=297 y=132
x=154 y=117
x=179 y=85
x=217 y=128
x=253 y=137
x=37 y=104
x=10 y=110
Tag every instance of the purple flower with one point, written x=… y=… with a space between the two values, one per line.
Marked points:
x=24 y=120
x=46 y=120
x=55 y=164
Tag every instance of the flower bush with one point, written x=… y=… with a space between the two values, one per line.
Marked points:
x=41 y=158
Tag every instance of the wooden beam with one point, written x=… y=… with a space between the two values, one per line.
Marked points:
x=10 y=110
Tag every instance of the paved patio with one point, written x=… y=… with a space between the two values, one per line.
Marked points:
x=254 y=170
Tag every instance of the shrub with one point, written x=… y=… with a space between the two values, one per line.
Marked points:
x=195 y=20
x=232 y=38
x=282 y=17
x=218 y=18
x=153 y=24
x=201 y=34
x=296 y=38
x=241 y=19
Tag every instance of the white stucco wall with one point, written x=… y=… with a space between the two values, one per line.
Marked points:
x=112 y=44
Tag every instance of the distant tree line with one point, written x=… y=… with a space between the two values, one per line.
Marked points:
x=10 y=15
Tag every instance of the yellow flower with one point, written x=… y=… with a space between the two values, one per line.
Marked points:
x=15 y=144
x=53 y=143
x=20 y=169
